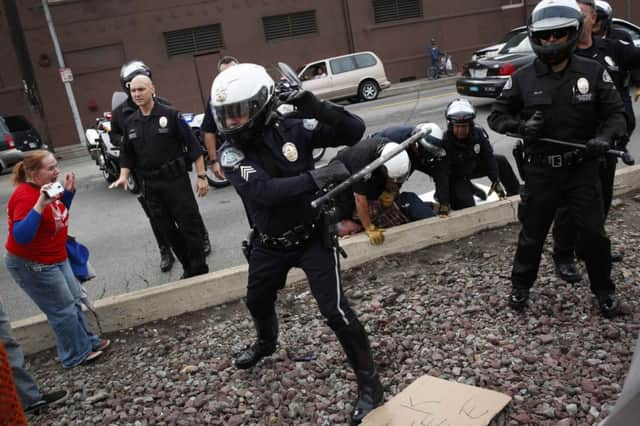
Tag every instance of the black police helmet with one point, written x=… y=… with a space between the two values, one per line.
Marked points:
x=132 y=69
x=558 y=18
x=605 y=14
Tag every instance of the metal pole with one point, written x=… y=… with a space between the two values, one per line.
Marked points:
x=67 y=84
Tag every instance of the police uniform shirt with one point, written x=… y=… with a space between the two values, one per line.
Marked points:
x=359 y=156
x=424 y=163
x=151 y=141
x=577 y=104
x=463 y=157
x=271 y=173
x=121 y=114
x=618 y=57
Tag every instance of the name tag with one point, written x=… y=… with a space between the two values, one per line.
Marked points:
x=132 y=134
x=162 y=131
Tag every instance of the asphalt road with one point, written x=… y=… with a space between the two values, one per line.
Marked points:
x=123 y=251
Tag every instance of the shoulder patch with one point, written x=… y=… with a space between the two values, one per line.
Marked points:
x=606 y=77
x=310 y=123
x=231 y=156
x=626 y=43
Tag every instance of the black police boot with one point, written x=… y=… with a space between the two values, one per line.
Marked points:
x=265 y=345
x=166 y=259
x=206 y=245
x=518 y=298
x=355 y=343
x=568 y=272
x=617 y=256
x=610 y=306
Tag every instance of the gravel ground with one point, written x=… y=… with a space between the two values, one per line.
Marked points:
x=440 y=311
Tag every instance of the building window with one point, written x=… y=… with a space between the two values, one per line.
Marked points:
x=395 y=10
x=194 y=40
x=289 y=25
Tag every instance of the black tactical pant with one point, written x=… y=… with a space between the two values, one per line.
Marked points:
x=268 y=270
x=173 y=207
x=460 y=186
x=546 y=189
x=564 y=230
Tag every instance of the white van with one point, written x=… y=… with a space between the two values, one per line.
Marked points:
x=359 y=74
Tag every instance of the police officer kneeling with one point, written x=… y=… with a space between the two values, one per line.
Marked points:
x=161 y=147
x=268 y=159
x=567 y=97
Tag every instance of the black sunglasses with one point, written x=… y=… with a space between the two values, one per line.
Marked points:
x=557 y=33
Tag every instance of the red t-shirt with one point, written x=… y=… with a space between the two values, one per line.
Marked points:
x=49 y=244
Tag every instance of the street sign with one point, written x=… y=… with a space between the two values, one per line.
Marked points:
x=66 y=75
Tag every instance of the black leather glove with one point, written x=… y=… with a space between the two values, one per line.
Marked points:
x=309 y=106
x=334 y=172
x=532 y=127
x=597 y=146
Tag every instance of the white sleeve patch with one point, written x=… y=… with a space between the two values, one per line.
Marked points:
x=606 y=77
x=508 y=85
x=230 y=157
x=310 y=123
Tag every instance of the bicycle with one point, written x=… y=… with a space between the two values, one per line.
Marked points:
x=446 y=67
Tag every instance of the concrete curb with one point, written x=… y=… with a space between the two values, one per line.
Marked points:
x=176 y=298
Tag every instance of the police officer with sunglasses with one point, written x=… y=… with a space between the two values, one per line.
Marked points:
x=567 y=97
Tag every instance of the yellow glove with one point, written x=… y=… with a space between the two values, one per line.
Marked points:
x=386 y=199
x=637 y=93
x=376 y=236
x=443 y=210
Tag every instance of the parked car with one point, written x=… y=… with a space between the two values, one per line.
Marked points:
x=486 y=76
x=25 y=136
x=9 y=155
x=491 y=51
x=632 y=29
x=359 y=74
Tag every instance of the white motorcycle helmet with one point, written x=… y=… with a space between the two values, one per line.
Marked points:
x=557 y=18
x=460 y=111
x=431 y=143
x=132 y=69
x=240 y=98
x=398 y=167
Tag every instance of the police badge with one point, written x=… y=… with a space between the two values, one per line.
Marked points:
x=290 y=152
x=163 y=121
x=476 y=148
x=583 y=86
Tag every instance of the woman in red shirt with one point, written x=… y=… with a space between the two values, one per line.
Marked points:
x=36 y=255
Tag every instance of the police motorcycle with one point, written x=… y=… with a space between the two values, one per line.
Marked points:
x=194 y=121
x=104 y=151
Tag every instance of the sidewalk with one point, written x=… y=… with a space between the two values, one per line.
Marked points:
x=440 y=310
x=76 y=151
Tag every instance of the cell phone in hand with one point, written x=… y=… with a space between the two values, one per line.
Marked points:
x=54 y=190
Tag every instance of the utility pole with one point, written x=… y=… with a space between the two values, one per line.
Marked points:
x=67 y=76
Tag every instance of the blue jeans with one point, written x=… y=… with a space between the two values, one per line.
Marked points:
x=27 y=388
x=56 y=291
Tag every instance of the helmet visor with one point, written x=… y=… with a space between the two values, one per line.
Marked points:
x=234 y=116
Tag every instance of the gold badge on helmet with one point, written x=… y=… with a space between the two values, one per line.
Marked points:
x=221 y=95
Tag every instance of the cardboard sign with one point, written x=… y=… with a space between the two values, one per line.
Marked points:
x=437 y=402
